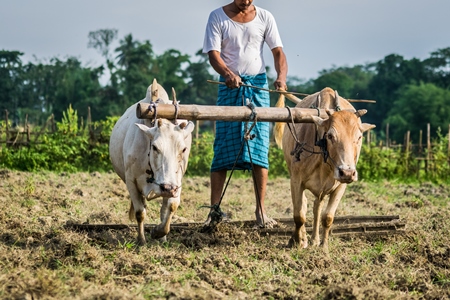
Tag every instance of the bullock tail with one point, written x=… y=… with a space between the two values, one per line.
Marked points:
x=131 y=213
x=278 y=129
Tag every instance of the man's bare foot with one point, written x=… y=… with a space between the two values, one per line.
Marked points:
x=208 y=221
x=267 y=223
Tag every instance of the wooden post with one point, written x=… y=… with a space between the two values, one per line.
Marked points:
x=7 y=126
x=420 y=142
x=89 y=121
x=197 y=125
x=27 y=127
x=408 y=133
x=52 y=120
x=387 y=135
x=428 y=147
x=448 y=145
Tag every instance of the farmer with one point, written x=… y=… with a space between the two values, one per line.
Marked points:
x=234 y=39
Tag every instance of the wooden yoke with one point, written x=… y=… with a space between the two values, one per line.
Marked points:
x=229 y=113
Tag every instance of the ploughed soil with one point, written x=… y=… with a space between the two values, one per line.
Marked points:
x=43 y=258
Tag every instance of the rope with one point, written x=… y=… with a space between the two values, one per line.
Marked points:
x=152 y=107
x=299 y=147
x=216 y=215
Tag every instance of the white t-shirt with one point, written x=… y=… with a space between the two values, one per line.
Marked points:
x=241 y=44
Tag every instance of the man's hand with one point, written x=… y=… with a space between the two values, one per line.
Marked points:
x=233 y=81
x=280 y=85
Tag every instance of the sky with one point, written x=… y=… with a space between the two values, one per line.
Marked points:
x=317 y=34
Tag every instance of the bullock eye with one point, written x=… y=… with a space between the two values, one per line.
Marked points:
x=184 y=150
x=154 y=148
x=329 y=136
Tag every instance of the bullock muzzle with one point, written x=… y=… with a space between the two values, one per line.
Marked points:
x=347 y=175
x=168 y=190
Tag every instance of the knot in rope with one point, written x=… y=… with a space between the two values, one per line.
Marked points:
x=298 y=150
x=316 y=107
x=252 y=118
x=152 y=107
x=252 y=106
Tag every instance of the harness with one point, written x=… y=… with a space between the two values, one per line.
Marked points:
x=301 y=147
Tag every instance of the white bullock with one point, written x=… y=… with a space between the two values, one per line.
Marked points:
x=151 y=159
x=322 y=158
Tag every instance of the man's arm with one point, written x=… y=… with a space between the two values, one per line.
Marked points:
x=231 y=80
x=281 y=68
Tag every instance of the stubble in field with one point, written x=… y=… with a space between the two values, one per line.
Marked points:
x=41 y=258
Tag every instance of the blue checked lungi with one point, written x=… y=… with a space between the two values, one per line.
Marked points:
x=230 y=135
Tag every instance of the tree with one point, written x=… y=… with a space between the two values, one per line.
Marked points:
x=392 y=73
x=10 y=82
x=337 y=80
x=416 y=106
x=101 y=40
x=135 y=60
x=198 y=91
x=438 y=66
x=169 y=70
x=53 y=86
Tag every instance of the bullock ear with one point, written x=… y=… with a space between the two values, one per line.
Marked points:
x=187 y=128
x=142 y=127
x=318 y=120
x=366 y=126
x=147 y=130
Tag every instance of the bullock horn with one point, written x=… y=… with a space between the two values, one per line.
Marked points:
x=360 y=112
x=336 y=99
x=329 y=112
x=183 y=125
x=174 y=96
x=155 y=93
x=160 y=122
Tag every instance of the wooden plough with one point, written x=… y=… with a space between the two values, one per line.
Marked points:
x=342 y=226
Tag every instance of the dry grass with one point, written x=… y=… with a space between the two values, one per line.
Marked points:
x=41 y=259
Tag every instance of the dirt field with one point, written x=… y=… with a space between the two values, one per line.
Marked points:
x=40 y=258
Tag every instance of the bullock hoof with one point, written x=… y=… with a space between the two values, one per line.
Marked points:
x=157 y=235
x=162 y=240
x=293 y=243
x=316 y=243
x=141 y=241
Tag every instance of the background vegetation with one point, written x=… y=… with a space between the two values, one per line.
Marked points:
x=76 y=146
x=409 y=94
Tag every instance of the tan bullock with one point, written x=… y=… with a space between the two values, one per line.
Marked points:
x=322 y=157
x=151 y=159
